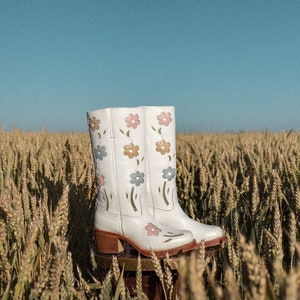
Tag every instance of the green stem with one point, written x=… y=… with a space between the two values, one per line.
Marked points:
x=131 y=199
x=164 y=193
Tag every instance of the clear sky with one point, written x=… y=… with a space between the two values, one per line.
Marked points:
x=225 y=65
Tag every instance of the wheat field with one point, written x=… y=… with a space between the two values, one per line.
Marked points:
x=247 y=183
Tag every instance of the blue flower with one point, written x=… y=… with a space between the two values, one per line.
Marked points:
x=137 y=178
x=169 y=173
x=99 y=152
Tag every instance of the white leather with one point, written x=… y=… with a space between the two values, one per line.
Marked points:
x=161 y=185
x=118 y=145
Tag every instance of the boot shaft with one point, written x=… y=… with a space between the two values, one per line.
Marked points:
x=161 y=156
x=118 y=147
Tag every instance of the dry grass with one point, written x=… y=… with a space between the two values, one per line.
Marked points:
x=248 y=183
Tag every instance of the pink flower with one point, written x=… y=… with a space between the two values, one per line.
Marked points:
x=152 y=229
x=100 y=180
x=164 y=118
x=132 y=121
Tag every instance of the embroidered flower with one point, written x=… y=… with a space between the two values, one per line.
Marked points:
x=164 y=118
x=152 y=229
x=132 y=120
x=131 y=150
x=99 y=152
x=137 y=178
x=163 y=147
x=100 y=180
x=169 y=173
x=94 y=123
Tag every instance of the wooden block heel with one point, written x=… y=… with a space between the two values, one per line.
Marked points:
x=108 y=243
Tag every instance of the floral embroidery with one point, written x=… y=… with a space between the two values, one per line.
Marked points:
x=163 y=147
x=137 y=178
x=131 y=150
x=99 y=152
x=132 y=120
x=165 y=192
x=170 y=235
x=105 y=197
x=94 y=123
x=164 y=118
x=100 y=180
x=152 y=229
x=169 y=173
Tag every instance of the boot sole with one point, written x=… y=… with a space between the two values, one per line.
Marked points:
x=113 y=243
x=215 y=242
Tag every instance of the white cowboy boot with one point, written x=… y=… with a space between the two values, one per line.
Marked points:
x=162 y=194
x=122 y=215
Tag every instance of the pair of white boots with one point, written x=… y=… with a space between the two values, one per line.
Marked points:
x=134 y=151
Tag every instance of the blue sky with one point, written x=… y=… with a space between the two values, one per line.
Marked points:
x=225 y=65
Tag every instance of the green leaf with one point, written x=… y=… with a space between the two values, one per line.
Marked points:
x=173 y=235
